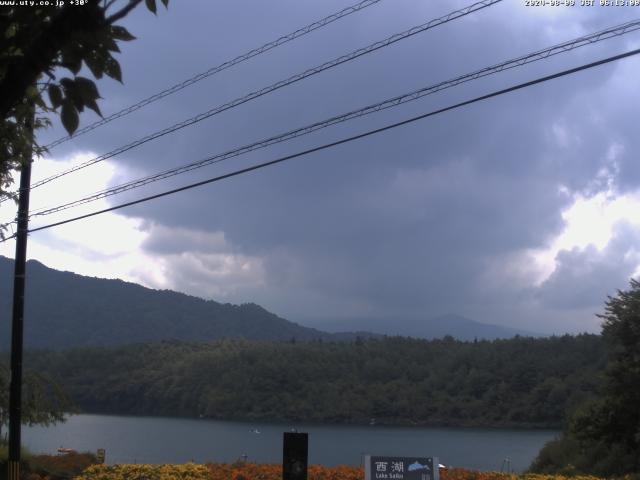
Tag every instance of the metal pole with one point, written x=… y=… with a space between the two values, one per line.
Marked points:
x=17 y=324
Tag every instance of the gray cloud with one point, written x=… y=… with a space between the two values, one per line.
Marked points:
x=408 y=222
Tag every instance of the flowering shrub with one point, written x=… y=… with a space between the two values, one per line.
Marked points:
x=463 y=474
x=187 y=471
x=254 y=471
x=536 y=476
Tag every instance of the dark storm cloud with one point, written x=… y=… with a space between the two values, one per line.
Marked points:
x=404 y=222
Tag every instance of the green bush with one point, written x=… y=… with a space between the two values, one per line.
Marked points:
x=558 y=456
x=4 y=456
x=60 y=467
x=53 y=467
x=570 y=456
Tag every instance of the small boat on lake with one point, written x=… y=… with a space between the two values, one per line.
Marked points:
x=65 y=451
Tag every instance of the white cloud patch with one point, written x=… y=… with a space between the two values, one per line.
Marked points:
x=200 y=263
x=114 y=246
x=107 y=245
x=585 y=276
x=590 y=225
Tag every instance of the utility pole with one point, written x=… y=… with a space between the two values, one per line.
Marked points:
x=17 y=323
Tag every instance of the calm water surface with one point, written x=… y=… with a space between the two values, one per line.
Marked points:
x=177 y=440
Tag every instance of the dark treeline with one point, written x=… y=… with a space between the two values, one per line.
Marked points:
x=517 y=382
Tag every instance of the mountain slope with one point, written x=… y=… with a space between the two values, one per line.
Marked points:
x=64 y=309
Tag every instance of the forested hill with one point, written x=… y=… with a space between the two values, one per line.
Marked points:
x=517 y=382
x=66 y=310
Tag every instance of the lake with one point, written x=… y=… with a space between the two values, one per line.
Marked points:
x=177 y=440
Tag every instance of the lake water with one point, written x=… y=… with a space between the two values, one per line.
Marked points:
x=178 y=440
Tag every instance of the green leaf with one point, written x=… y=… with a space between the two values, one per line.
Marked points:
x=72 y=60
x=165 y=3
x=11 y=30
x=121 y=33
x=103 y=40
x=111 y=45
x=87 y=93
x=71 y=93
x=86 y=89
x=112 y=68
x=40 y=102
x=151 y=5
x=31 y=92
x=95 y=62
x=93 y=106
x=69 y=117
x=67 y=84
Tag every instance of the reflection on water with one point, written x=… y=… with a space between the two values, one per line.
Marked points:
x=177 y=440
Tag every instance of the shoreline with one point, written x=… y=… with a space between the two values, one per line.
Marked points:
x=356 y=423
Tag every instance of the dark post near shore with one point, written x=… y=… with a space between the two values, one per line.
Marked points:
x=17 y=322
x=295 y=453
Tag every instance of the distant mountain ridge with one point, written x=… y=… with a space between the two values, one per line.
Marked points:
x=65 y=310
x=457 y=326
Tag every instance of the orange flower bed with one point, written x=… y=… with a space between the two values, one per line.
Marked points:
x=254 y=471
x=462 y=474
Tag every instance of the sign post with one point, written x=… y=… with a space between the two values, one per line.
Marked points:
x=400 y=468
x=100 y=455
x=295 y=455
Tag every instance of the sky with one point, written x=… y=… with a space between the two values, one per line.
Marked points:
x=522 y=210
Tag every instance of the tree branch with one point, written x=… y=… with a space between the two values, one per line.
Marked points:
x=123 y=12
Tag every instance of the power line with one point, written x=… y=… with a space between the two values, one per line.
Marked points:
x=283 y=83
x=219 y=68
x=344 y=140
x=389 y=103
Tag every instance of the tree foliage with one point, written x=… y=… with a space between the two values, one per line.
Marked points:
x=603 y=436
x=42 y=52
x=43 y=402
x=621 y=329
x=518 y=382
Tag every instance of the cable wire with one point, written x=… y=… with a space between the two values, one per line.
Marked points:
x=567 y=46
x=343 y=141
x=283 y=83
x=219 y=68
